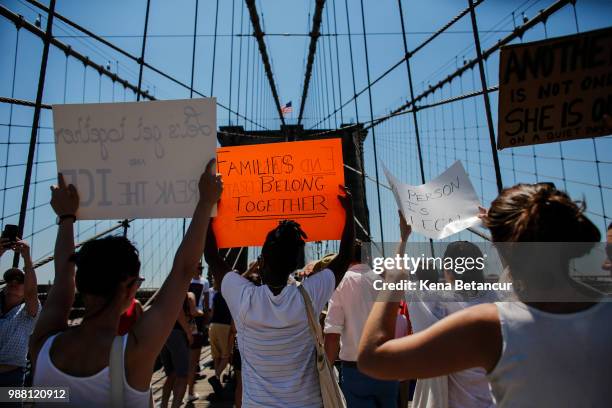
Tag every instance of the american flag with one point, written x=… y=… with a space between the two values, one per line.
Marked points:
x=287 y=108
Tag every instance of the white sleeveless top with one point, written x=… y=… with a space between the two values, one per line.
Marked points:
x=90 y=392
x=554 y=360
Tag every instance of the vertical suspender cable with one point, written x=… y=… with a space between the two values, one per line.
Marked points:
x=193 y=51
x=251 y=84
x=331 y=67
x=338 y=62
x=35 y=122
x=212 y=76
x=142 y=53
x=414 y=112
x=485 y=95
x=246 y=83
x=10 y=124
x=239 y=61
x=324 y=83
x=125 y=222
x=365 y=45
x=229 y=117
x=411 y=88
x=350 y=41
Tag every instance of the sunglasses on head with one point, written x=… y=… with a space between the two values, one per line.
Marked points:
x=138 y=281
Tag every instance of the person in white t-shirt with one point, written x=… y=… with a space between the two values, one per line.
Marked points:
x=348 y=311
x=274 y=339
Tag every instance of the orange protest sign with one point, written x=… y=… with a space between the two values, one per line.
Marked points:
x=266 y=183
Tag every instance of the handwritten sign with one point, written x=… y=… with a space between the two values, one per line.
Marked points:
x=555 y=90
x=138 y=159
x=266 y=183
x=442 y=207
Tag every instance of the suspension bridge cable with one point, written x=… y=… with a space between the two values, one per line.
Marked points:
x=239 y=62
x=46 y=260
x=324 y=82
x=258 y=33
x=350 y=42
x=399 y=63
x=312 y=49
x=212 y=76
x=331 y=69
x=485 y=96
x=414 y=113
x=19 y=21
x=484 y=55
x=411 y=90
x=126 y=224
x=57 y=43
x=338 y=62
x=193 y=48
x=231 y=76
x=365 y=44
x=193 y=54
x=34 y=130
x=250 y=84
x=144 y=45
x=248 y=67
x=348 y=26
x=10 y=121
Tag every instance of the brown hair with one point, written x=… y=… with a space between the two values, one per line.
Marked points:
x=539 y=213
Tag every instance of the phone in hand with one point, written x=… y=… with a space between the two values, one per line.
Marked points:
x=10 y=232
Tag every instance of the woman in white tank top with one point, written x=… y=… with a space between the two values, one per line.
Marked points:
x=539 y=351
x=107 y=277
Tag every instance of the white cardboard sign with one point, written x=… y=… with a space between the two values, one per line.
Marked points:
x=136 y=159
x=441 y=207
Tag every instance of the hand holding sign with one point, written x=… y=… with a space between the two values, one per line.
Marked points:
x=405 y=228
x=210 y=184
x=346 y=200
x=64 y=199
x=441 y=207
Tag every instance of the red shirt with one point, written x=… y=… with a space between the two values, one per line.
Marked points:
x=127 y=319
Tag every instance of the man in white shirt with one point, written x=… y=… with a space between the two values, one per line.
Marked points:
x=348 y=311
x=274 y=339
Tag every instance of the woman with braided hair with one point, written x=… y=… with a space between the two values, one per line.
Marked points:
x=549 y=348
x=276 y=347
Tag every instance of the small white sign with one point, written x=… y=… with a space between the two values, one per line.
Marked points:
x=442 y=207
x=136 y=159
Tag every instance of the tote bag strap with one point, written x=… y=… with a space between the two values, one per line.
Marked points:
x=315 y=328
x=330 y=390
x=116 y=368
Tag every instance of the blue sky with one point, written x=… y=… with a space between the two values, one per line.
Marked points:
x=453 y=131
